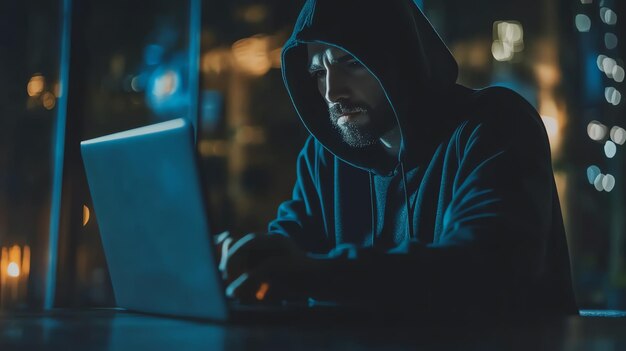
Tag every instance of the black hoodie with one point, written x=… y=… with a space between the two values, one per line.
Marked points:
x=466 y=220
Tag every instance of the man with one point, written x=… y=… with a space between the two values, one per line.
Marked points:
x=411 y=190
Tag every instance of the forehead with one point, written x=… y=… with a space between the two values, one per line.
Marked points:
x=317 y=52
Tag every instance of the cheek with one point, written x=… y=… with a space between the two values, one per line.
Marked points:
x=372 y=93
x=321 y=88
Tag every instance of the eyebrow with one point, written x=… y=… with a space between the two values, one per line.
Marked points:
x=345 y=58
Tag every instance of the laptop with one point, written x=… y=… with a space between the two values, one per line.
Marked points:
x=149 y=202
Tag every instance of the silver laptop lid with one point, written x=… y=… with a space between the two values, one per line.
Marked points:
x=151 y=213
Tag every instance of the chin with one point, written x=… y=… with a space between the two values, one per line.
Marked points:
x=359 y=141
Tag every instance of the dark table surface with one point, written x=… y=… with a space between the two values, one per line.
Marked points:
x=110 y=329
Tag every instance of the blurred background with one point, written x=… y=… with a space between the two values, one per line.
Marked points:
x=74 y=70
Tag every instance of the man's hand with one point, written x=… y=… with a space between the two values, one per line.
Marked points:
x=266 y=267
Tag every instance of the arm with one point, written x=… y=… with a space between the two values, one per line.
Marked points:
x=490 y=255
x=492 y=248
x=301 y=218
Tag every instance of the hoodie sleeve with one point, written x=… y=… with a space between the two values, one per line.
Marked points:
x=301 y=218
x=491 y=251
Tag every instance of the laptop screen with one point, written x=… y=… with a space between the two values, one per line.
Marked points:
x=151 y=213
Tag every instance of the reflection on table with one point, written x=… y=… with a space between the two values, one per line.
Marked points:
x=110 y=329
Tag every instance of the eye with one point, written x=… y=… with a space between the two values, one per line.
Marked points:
x=354 y=64
x=318 y=74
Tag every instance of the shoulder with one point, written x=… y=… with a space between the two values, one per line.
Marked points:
x=501 y=118
x=500 y=112
x=499 y=104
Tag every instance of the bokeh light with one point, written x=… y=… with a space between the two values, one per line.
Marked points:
x=86 y=215
x=508 y=39
x=583 y=23
x=608 y=183
x=256 y=13
x=213 y=148
x=49 y=100
x=216 y=61
x=35 y=85
x=610 y=149
x=600 y=62
x=166 y=84
x=548 y=76
x=618 y=73
x=252 y=55
x=166 y=87
x=276 y=58
x=607 y=66
x=596 y=130
x=135 y=84
x=552 y=126
x=612 y=95
x=13 y=270
x=511 y=32
x=501 y=51
x=618 y=135
x=608 y=16
x=592 y=173
x=597 y=183
x=610 y=41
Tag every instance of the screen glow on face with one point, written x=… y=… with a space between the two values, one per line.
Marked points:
x=356 y=101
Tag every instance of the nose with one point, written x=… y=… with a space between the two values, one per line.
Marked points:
x=335 y=86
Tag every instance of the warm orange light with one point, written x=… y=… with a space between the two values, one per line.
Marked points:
x=553 y=117
x=477 y=56
x=276 y=58
x=255 y=13
x=252 y=55
x=548 y=75
x=250 y=135
x=49 y=100
x=213 y=148
x=216 y=61
x=4 y=263
x=14 y=254
x=13 y=267
x=26 y=260
x=86 y=215
x=35 y=85
x=547 y=104
x=260 y=294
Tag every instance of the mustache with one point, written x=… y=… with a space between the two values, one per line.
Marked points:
x=337 y=110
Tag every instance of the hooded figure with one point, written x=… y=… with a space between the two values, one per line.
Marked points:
x=464 y=218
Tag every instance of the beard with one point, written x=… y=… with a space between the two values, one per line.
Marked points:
x=380 y=121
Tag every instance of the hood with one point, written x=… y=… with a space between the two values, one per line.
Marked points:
x=381 y=35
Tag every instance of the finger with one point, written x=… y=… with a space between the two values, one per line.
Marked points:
x=248 y=287
x=224 y=257
x=257 y=284
x=236 y=255
x=219 y=241
x=239 y=244
x=237 y=287
x=221 y=237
